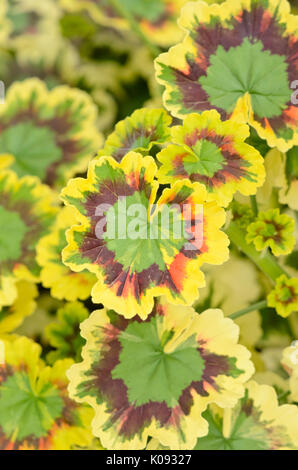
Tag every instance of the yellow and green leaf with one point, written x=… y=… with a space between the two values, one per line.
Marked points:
x=272 y=229
x=50 y=134
x=284 y=296
x=212 y=152
x=35 y=410
x=156 y=377
x=138 y=133
x=240 y=59
x=27 y=211
x=135 y=256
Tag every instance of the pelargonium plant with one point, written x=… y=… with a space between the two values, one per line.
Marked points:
x=148 y=216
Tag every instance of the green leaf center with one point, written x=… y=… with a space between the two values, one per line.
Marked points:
x=25 y=410
x=248 y=68
x=206 y=159
x=269 y=230
x=12 y=233
x=33 y=147
x=285 y=294
x=136 y=239
x=149 y=372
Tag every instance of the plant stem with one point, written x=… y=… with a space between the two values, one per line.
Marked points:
x=265 y=261
x=250 y=308
x=135 y=26
x=227 y=422
x=254 y=205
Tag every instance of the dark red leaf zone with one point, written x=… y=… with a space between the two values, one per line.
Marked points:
x=257 y=25
x=62 y=127
x=129 y=142
x=233 y=168
x=129 y=419
x=95 y=250
x=32 y=442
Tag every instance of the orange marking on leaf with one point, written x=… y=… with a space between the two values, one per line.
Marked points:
x=26 y=446
x=177 y=270
x=202 y=62
x=266 y=19
x=268 y=126
x=42 y=445
x=292 y=115
x=207 y=386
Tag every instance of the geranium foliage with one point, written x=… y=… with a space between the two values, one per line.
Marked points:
x=195 y=360
x=132 y=273
x=157 y=18
x=50 y=134
x=148 y=226
x=239 y=58
x=138 y=132
x=214 y=153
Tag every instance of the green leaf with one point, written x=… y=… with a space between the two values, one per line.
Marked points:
x=255 y=141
